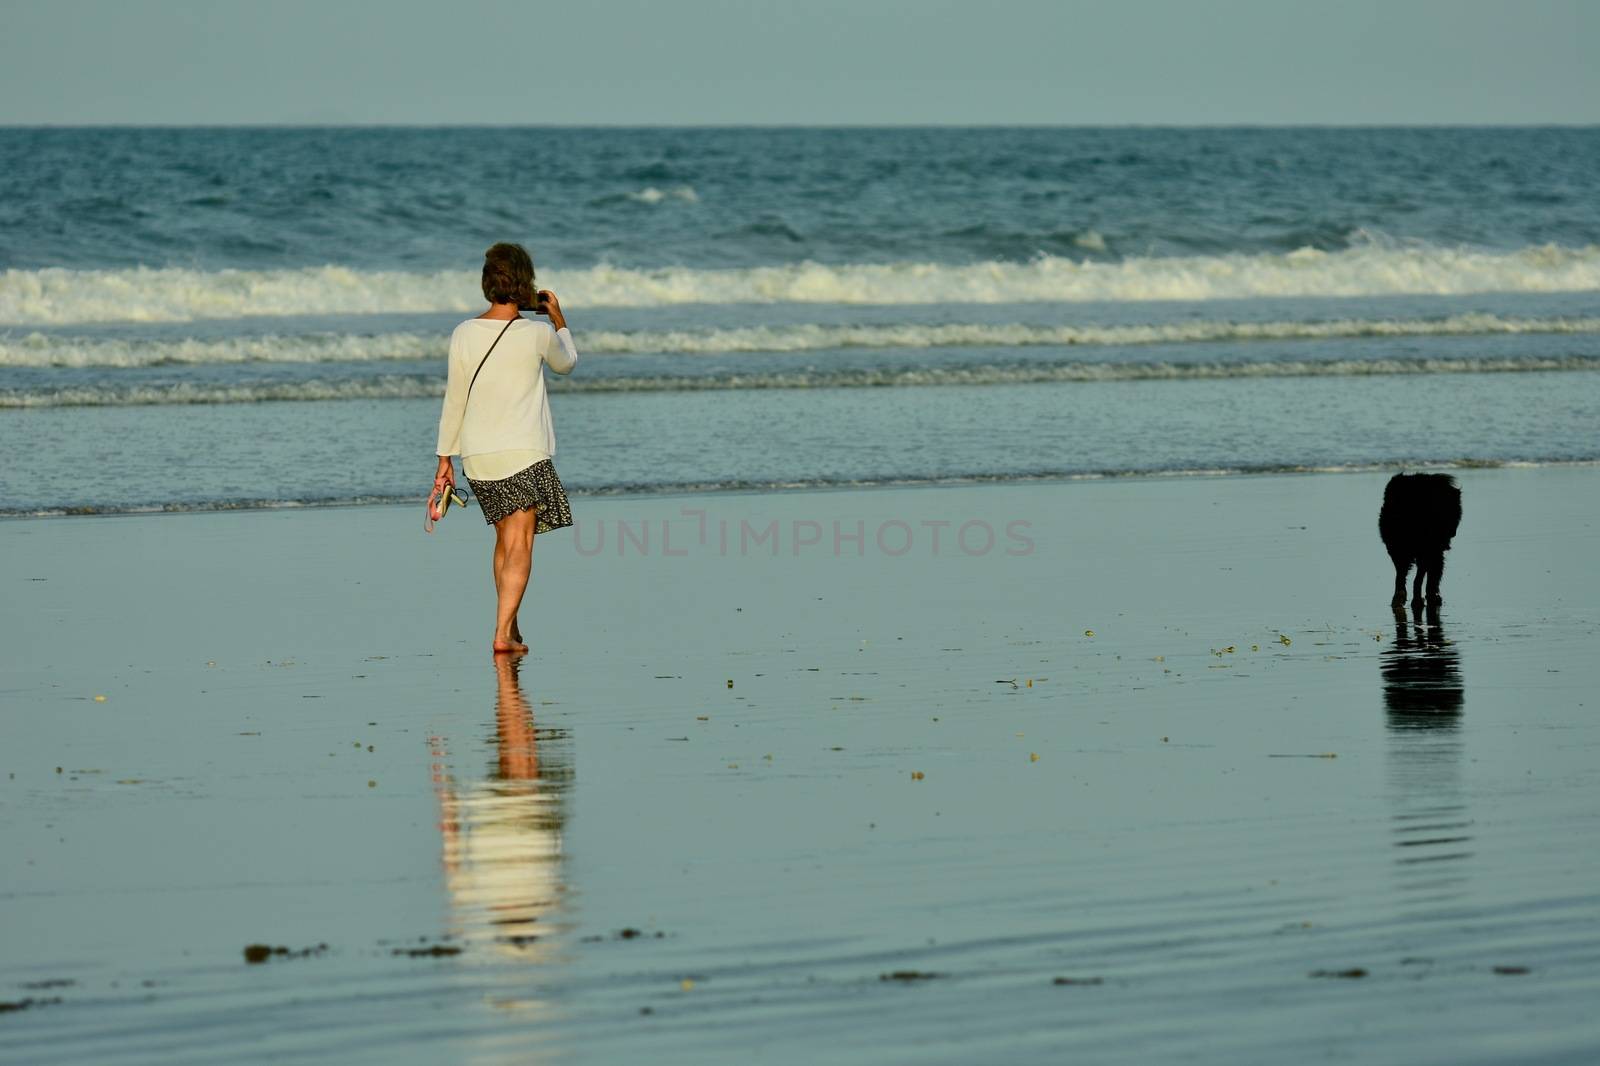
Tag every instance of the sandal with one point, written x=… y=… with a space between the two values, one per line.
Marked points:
x=444 y=493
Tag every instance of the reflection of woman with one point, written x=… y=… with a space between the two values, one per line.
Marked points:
x=502 y=836
x=496 y=416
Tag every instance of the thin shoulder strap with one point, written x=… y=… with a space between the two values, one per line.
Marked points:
x=486 y=356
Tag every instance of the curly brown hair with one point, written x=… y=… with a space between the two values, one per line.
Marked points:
x=508 y=275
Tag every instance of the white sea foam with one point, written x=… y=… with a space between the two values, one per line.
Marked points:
x=173 y=294
x=1020 y=335
x=1090 y=240
x=382 y=388
x=390 y=387
x=652 y=195
x=53 y=350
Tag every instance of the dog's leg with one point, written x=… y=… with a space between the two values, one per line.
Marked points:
x=1401 y=566
x=1435 y=575
x=1402 y=632
x=1416 y=586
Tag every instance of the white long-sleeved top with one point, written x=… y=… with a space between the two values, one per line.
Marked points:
x=509 y=410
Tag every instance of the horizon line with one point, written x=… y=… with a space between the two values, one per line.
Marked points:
x=799 y=125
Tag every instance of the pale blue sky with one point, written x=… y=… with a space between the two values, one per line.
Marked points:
x=823 y=62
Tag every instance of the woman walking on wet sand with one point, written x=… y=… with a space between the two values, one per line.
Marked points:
x=497 y=418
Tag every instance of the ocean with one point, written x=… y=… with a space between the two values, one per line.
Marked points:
x=220 y=318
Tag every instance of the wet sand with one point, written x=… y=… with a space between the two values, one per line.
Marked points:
x=1156 y=775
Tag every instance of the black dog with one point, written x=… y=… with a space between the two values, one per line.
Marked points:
x=1419 y=517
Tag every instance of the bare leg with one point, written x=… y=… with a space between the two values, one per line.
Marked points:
x=500 y=554
x=513 y=562
x=516 y=629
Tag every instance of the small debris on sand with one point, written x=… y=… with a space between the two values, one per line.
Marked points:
x=435 y=951
x=1078 y=981
x=917 y=775
x=1350 y=974
x=626 y=933
x=1511 y=971
x=910 y=975
x=24 y=1004
x=259 y=953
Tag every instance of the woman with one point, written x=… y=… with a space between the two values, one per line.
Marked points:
x=497 y=418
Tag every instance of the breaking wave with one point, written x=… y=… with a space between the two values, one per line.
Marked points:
x=650 y=195
x=173 y=294
x=392 y=387
x=47 y=350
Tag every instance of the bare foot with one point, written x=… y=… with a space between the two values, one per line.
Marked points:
x=506 y=643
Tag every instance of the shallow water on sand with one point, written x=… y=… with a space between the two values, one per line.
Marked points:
x=1267 y=819
x=761 y=307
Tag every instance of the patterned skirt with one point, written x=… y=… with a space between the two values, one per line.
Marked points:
x=537 y=486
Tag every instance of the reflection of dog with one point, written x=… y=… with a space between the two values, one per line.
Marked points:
x=1419 y=517
x=1422 y=687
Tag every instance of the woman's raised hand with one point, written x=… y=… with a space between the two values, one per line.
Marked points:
x=547 y=304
